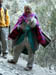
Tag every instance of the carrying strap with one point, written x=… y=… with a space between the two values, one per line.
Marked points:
x=4 y=11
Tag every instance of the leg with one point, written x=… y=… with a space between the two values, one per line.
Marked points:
x=31 y=56
x=6 y=35
x=13 y=43
x=0 y=41
x=16 y=52
x=3 y=40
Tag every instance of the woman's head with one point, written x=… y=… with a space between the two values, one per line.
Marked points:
x=27 y=9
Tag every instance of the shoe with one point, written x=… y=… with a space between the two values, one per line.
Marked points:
x=4 y=54
x=28 y=68
x=0 y=51
x=11 y=61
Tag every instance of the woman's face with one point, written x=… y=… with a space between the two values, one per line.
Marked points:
x=27 y=10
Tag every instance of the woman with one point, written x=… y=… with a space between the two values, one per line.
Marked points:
x=30 y=36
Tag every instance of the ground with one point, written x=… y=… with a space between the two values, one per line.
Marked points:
x=18 y=69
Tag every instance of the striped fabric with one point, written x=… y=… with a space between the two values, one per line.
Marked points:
x=40 y=37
